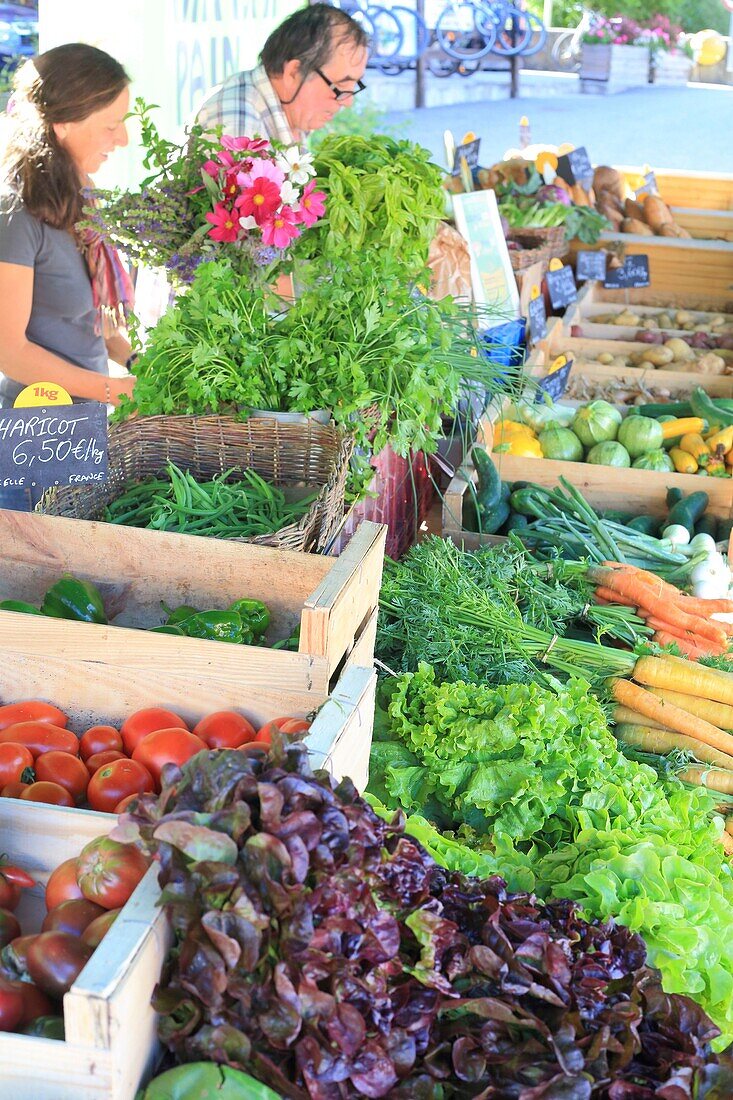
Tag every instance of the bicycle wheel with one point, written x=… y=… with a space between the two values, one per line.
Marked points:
x=537 y=34
x=415 y=34
x=458 y=34
x=562 y=49
x=511 y=28
x=387 y=38
x=442 y=66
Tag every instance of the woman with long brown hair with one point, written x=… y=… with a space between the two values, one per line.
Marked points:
x=63 y=291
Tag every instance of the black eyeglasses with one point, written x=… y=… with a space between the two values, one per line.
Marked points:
x=341 y=93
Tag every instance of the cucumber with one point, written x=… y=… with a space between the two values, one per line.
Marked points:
x=524 y=502
x=673 y=495
x=706 y=407
x=614 y=516
x=725 y=526
x=491 y=520
x=688 y=511
x=707 y=525
x=647 y=525
x=672 y=408
x=488 y=490
x=516 y=522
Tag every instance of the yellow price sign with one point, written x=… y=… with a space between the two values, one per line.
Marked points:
x=468 y=137
x=42 y=393
x=558 y=364
x=565 y=148
x=534 y=292
x=555 y=264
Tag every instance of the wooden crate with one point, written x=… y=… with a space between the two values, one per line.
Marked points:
x=593 y=301
x=333 y=599
x=689 y=267
x=697 y=190
x=452 y=514
x=110 y=1025
x=612 y=68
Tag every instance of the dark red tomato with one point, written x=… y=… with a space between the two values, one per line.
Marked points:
x=14 y=759
x=108 y=871
x=9 y=927
x=31 y=711
x=62 y=885
x=101 y=759
x=225 y=729
x=55 y=961
x=122 y=806
x=9 y=893
x=15 y=957
x=255 y=747
x=13 y=790
x=52 y=793
x=169 y=746
x=41 y=737
x=11 y=1005
x=71 y=916
x=99 y=739
x=35 y=1002
x=115 y=781
x=143 y=722
x=68 y=771
x=95 y=932
x=18 y=875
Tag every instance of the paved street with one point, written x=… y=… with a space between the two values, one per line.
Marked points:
x=688 y=127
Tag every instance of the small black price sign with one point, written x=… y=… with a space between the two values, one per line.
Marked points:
x=53 y=445
x=634 y=272
x=554 y=384
x=590 y=265
x=575 y=167
x=470 y=152
x=649 y=186
x=561 y=286
x=537 y=316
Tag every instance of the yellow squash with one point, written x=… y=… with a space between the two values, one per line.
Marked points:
x=684 y=463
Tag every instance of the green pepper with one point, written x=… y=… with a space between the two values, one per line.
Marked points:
x=290 y=643
x=71 y=598
x=19 y=605
x=217 y=626
x=45 y=1027
x=169 y=628
x=178 y=614
x=254 y=613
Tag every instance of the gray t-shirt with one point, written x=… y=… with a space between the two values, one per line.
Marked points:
x=62 y=314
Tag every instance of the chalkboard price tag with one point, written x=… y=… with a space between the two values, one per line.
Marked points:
x=554 y=384
x=561 y=287
x=649 y=187
x=537 y=316
x=634 y=272
x=590 y=265
x=53 y=445
x=575 y=167
x=470 y=152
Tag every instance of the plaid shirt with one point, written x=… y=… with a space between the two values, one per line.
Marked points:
x=246 y=105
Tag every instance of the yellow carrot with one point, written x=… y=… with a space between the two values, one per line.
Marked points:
x=686 y=677
x=727 y=841
x=720 y=714
x=715 y=779
x=631 y=695
x=632 y=717
x=663 y=741
x=729 y=824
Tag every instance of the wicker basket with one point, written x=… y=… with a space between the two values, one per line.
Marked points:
x=538 y=245
x=292 y=456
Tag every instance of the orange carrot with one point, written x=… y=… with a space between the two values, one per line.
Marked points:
x=642 y=594
x=609 y=596
x=674 y=718
x=704 y=645
x=687 y=647
x=691 y=604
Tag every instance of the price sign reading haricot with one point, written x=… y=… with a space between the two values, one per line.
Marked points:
x=46 y=440
x=560 y=285
x=536 y=315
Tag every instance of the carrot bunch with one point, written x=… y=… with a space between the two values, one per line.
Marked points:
x=675 y=618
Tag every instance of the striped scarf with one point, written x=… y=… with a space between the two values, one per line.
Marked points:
x=112 y=290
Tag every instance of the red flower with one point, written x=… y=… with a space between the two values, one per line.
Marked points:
x=260 y=200
x=312 y=205
x=225 y=225
x=281 y=229
x=231 y=187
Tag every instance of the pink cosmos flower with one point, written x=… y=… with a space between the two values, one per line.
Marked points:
x=312 y=205
x=262 y=169
x=225 y=224
x=260 y=199
x=211 y=168
x=281 y=229
x=236 y=144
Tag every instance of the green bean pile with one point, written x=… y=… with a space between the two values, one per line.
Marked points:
x=218 y=508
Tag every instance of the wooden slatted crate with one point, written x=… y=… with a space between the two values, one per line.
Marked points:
x=333 y=599
x=111 y=1042
x=594 y=301
x=699 y=190
x=676 y=265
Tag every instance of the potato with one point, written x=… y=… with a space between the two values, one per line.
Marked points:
x=717 y=321
x=656 y=212
x=634 y=225
x=665 y=321
x=680 y=348
x=634 y=209
x=621 y=361
x=658 y=356
x=605 y=357
x=710 y=363
x=649 y=323
x=626 y=317
x=608 y=179
x=682 y=317
x=611 y=214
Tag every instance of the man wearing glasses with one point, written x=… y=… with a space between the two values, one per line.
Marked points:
x=310 y=67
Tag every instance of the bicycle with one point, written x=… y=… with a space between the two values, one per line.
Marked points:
x=415 y=40
x=567 y=47
x=468 y=30
x=381 y=27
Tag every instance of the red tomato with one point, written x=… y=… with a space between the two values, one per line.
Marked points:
x=264 y=735
x=9 y=927
x=55 y=961
x=115 y=781
x=14 y=759
x=52 y=793
x=66 y=770
x=31 y=711
x=109 y=871
x=17 y=875
x=225 y=729
x=254 y=747
x=11 y=1005
x=13 y=790
x=62 y=885
x=100 y=759
x=15 y=957
x=41 y=737
x=122 y=806
x=9 y=893
x=95 y=932
x=169 y=746
x=99 y=739
x=35 y=1002
x=143 y=722
x=71 y=916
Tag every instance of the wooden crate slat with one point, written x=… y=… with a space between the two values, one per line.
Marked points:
x=706 y=190
x=676 y=265
x=341 y=737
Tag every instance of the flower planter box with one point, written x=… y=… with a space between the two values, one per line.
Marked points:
x=609 y=68
x=671 y=68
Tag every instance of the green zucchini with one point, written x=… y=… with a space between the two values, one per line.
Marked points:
x=491 y=520
x=671 y=408
x=647 y=525
x=524 y=501
x=688 y=511
x=673 y=495
x=707 y=525
x=488 y=489
x=613 y=515
x=709 y=410
x=725 y=526
x=516 y=522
